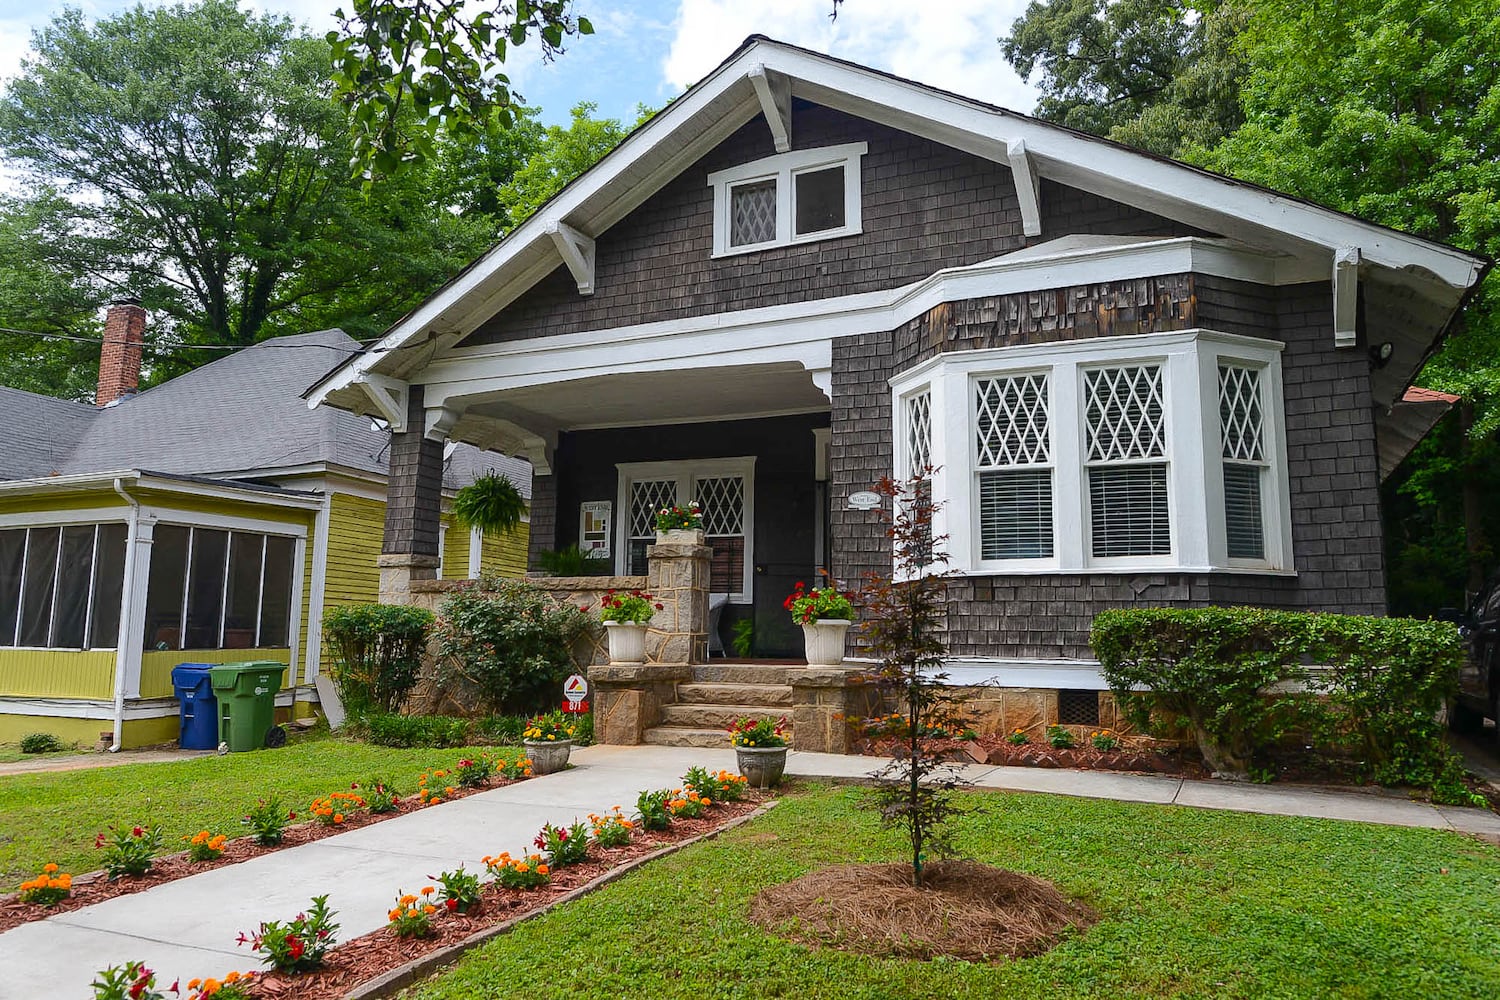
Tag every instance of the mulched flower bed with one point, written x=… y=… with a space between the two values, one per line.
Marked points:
x=362 y=959
x=94 y=887
x=1131 y=756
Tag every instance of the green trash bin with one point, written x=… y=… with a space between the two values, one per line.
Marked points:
x=247 y=704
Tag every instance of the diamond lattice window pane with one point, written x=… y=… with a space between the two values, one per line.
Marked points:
x=918 y=433
x=752 y=213
x=1124 y=413
x=1011 y=420
x=722 y=500
x=1240 y=413
x=647 y=496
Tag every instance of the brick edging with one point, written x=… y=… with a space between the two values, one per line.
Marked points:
x=389 y=983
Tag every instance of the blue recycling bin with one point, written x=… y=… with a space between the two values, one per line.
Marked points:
x=198 y=727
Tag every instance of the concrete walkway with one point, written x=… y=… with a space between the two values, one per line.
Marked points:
x=187 y=928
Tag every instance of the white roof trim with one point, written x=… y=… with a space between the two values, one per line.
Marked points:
x=1172 y=189
x=145 y=480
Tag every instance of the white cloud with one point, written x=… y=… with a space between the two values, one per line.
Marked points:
x=950 y=44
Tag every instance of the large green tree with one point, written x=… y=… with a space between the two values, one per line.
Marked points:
x=1158 y=74
x=203 y=166
x=561 y=155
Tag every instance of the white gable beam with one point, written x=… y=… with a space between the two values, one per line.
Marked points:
x=389 y=397
x=775 y=93
x=1345 y=296
x=1028 y=186
x=577 y=252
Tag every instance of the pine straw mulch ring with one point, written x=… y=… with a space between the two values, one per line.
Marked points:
x=965 y=910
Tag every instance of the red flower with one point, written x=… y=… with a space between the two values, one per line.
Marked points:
x=135 y=831
x=660 y=608
x=99 y=840
x=451 y=904
x=295 y=948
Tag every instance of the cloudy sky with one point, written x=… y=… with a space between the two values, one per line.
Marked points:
x=648 y=51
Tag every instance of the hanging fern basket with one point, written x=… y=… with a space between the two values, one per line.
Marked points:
x=490 y=503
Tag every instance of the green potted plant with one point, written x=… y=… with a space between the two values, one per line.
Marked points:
x=625 y=618
x=825 y=614
x=548 y=740
x=760 y=749
x=490 y=503
x=680 y=525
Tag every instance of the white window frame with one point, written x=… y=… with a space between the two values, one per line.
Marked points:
x=685 y=472
x=1190 y=361
x=783 y=168
x=63 y=520
x=975 y=471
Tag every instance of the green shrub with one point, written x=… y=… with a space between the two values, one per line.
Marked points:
x=490 y=503
x=573 y=561
x=507 y=645
x=1241 y=679
x=377 y=652
x=41 y=743
x=504 y=730
x=386 y=729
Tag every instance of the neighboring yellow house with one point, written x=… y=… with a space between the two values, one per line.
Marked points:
x=210 y=519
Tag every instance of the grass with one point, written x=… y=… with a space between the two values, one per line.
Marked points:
x=1194 y=903
x=54 y=816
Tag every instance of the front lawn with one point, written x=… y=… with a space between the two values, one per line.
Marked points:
x=54 y=816
x=1193 y=903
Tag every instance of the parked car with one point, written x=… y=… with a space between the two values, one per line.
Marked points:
x=1479 y=682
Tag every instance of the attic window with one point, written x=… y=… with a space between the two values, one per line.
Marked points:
x=797 y=197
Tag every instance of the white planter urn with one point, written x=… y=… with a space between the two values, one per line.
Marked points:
x=627 y=642
x=680 y=536
x=824 y=640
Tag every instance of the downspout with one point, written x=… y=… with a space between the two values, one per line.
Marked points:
x=132 y=532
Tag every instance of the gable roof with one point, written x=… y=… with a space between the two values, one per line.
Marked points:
x=1423 y=282
x=239 y=415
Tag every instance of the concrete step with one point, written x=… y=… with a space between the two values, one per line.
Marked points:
x=735 y=694
x=685 y=736
x=742 y=673
x=718 y=716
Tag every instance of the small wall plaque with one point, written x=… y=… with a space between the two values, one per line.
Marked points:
x=864 y=500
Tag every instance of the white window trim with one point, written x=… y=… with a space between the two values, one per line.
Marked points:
x=685 y=472
x=1189 y=361
x=783 y=169
x=973 y=471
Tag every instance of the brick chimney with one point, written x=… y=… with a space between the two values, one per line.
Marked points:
x=120 y=358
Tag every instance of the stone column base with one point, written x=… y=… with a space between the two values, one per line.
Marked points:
x=824 y=702
x=628 y=698
x=399 y=570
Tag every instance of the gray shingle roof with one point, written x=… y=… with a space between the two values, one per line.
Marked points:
x=231 y=418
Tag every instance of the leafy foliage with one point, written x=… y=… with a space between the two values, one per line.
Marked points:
x=299 y=944
x=1159 y=74
x=377 y=653
x=490 y=503
x=904 y=616
x=561 y=155
x=507 y=644
x=190 y=155
x=1239 y=679
x=41 y=743
x=386 y=729
x=573 y=561
x=413 y=70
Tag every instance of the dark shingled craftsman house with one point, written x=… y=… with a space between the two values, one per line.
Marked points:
x=1139 y=383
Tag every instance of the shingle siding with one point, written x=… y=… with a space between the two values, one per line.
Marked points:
x=415 y=486
x=925 y=207
x=1332 y=462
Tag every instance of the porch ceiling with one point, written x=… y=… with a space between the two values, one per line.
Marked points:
x=665 y=397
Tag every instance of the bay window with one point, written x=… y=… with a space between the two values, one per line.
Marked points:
x=1118 y=454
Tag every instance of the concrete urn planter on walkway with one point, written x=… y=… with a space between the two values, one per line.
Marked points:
x=761 y=766
x=548 y=756
x=627 y=642
x=824 y=640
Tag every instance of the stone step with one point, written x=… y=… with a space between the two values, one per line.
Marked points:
x=743 y=673
x=685 y=736
x=718 y=716
x=735 y=694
